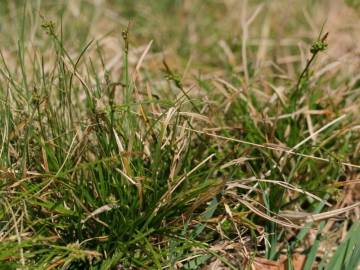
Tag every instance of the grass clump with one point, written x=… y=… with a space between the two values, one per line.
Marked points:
x=114 y=156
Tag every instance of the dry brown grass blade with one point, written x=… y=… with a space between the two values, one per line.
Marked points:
x=267 y=217
x=308 y=217
x=17 y=231
x=288 y=186
x=141 y=60
x=102 y=209
x=281 y=149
